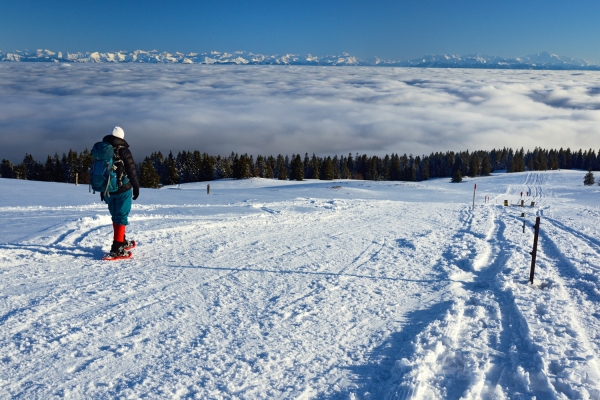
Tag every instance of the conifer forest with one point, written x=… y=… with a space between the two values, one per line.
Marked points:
x=158 y=169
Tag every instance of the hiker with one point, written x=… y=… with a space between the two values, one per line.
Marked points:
x=119 y=201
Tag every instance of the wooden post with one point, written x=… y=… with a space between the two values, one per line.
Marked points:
x=505 y=203
x=207 y=189
x=522 y=203
x=534 y=252
x=76 y=178
x=474 y=189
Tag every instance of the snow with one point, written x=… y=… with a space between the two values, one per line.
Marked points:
x=309 y=290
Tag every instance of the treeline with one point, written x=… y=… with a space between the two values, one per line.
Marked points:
x=157 y=169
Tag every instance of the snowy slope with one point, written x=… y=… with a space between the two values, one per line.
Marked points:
x=273 y=290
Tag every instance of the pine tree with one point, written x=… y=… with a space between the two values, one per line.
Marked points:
x=425 y=170
x=306 y=165
x=351 y=165
x=327 y=170
x=371 y=169
x=207 y=169
x=588 y=180
x=297 y=169
x=411 y=172
x=474 y=165
x=49 y=169
x=486 y=169
x=456 y=170
x=21 y=172
x=6 y=169
x=335 y=163
x=149 y=178
x=59 y=174
x=242 y=167
x=314 y=167
x=268 y=172
x=172 y=174
x=457 y=176
x=281 y=169
x=346 y=174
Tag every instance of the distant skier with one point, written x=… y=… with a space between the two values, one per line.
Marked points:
x=126 y=187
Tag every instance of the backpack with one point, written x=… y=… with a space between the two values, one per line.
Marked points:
x=103 y=171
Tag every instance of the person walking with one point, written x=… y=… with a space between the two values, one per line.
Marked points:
x=119 y=201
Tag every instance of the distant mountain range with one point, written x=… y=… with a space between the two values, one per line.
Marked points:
x=542 y=60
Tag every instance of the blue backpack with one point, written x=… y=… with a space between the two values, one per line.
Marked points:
x=103 y=171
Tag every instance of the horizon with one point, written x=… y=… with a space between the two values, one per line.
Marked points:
x=392 y=30
x=270 y=110
x=33 y=50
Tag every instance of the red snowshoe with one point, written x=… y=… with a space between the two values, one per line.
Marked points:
x=116 y=256
x=119 y=250
x=129 y=244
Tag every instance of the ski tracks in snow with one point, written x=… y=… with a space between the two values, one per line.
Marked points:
x=502 y=338
x=569 y=281
x=274 y=304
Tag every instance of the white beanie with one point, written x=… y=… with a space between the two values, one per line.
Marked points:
x=118 y=132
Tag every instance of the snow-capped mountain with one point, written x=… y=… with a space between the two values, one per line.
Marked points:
x=542 y=60
x=154 y=56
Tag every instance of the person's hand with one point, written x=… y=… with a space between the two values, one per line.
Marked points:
x=101 y=196
x=136 y=193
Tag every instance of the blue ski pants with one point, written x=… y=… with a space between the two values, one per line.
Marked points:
x=119 y=206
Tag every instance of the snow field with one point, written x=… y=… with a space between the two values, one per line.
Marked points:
x=304 y=290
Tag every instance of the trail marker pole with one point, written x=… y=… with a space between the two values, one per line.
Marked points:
x=534 y=252
x=207 y=189
x=474 y=189
x=76 y=178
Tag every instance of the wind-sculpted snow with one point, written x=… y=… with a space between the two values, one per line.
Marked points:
x=268 y=289
x=271 y=110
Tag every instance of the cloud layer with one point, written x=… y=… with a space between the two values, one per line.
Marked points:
x=47 y=108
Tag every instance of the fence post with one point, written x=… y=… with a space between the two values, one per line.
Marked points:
x=474 y=190
x=207 y=189
x=534 y=252
x=76 y=178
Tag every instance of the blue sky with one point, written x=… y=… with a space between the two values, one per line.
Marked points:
x=397 y=30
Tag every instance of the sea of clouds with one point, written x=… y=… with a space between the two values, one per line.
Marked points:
x=48 y=108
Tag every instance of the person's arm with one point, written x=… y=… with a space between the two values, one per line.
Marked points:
x=129 y=165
